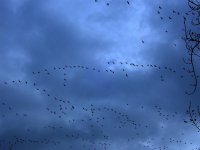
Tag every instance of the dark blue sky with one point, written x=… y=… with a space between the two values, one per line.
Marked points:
x=84 y=75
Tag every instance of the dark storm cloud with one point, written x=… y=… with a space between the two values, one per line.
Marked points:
x=36 y=37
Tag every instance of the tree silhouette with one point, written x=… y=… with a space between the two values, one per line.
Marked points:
x=192 y=41
x=194 y=116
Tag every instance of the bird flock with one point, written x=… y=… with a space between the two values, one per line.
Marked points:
x=88 y=125
x=93 y=117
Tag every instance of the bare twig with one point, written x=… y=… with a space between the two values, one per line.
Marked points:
x=192 y=43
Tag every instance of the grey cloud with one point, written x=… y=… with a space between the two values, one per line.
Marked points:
x=42 y=35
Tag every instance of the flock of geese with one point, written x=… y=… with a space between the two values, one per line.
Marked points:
x=92 y=117
x=126 y=68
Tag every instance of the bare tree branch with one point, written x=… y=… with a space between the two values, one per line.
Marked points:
x=192 y=42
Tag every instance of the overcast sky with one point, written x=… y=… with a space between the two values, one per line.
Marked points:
x=99 y=75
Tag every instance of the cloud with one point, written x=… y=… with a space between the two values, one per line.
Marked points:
x=96 y=108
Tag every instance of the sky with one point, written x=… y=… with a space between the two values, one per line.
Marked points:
x=95 y=75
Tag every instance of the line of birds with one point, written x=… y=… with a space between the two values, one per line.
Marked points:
x=126 y=69
x=110 y=70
